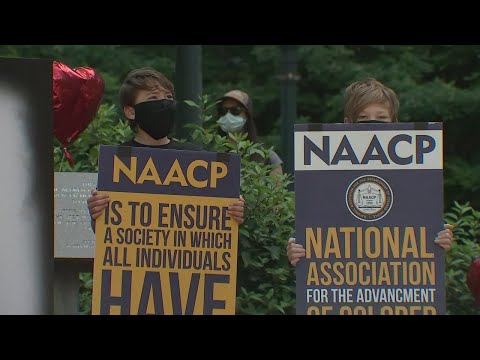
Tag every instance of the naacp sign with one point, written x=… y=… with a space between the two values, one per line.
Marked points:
x=369 y=203
x=166 y=244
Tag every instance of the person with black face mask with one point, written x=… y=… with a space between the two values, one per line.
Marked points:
x=155 y=117
x=147 y=99
x=370 y=101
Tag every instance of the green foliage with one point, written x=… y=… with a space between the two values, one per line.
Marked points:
x=266 y=282
x=86 y=286
x=105 y=129
x=466 y=232
x=460 y=175
x=111 y=61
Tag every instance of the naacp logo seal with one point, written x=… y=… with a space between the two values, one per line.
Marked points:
x=369 y=198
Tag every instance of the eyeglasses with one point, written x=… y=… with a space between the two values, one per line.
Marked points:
x=236 y=110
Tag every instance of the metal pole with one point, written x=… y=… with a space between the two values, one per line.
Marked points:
x=288 y=102
x=188 y=86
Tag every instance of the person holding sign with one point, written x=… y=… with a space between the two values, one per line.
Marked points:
x=370 y=101
x=147 y=99
x=235 y=112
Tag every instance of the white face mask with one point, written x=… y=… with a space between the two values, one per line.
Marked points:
x=231 y=123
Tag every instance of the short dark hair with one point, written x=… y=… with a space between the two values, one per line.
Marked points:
x=144 y=78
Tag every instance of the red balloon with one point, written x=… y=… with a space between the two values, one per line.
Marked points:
x=473 y=279
x=77 y=95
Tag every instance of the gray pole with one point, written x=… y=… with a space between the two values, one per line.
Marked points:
x=188 y=86
x=288 y=102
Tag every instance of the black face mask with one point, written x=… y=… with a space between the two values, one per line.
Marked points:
x=372 y=122
x=156 y=117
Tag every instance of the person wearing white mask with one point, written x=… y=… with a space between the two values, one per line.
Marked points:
x=235 y=112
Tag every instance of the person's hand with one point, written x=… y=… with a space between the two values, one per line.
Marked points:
x=96 y=203
x=236 y=210
x=445 y=237
x=294 y=251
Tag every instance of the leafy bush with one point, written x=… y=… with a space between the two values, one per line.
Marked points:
x=105 y=129
x=467 y=230
x=266 y=281
x=86 y=287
